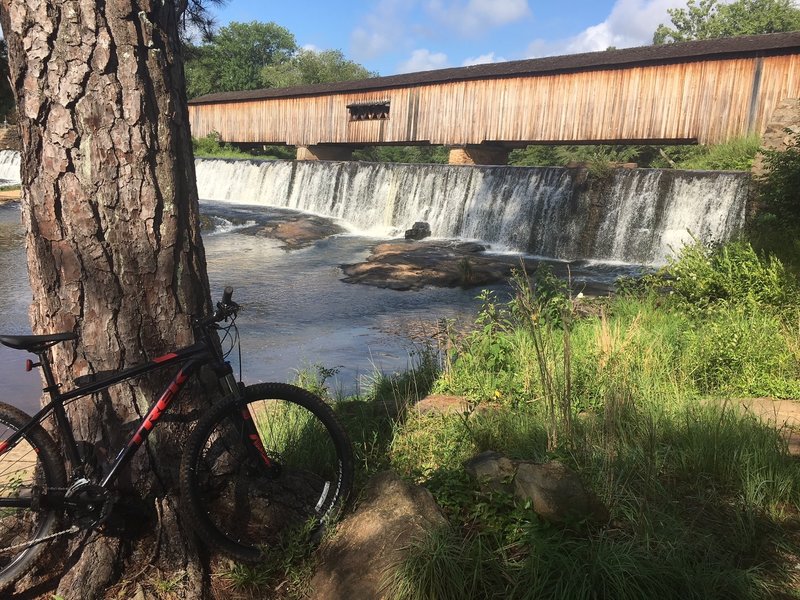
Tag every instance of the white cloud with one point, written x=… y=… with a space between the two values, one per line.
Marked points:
x=630 y=23
x=482 y=60
x=423 y=60
x=473 y=16
x=382 y=29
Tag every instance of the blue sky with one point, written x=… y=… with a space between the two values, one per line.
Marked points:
x=397 y=36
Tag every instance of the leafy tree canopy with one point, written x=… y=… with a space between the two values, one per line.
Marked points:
x=248 y=56
x=706 y=19
x=233 y=58
x=308 y=67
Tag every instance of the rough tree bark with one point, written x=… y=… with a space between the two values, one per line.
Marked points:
x=114 y=252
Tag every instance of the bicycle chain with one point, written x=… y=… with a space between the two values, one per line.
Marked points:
x=41 y=540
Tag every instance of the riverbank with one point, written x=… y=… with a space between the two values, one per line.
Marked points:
x=7 y=196
x=641 y=398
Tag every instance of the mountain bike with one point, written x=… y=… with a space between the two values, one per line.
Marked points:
x=267 y=460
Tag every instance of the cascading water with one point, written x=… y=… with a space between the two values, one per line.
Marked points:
x=634 y=216
x=9 y=167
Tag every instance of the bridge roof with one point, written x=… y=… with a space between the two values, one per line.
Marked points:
x=775 y=43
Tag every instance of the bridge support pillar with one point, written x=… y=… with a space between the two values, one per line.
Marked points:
x=478 y=155
x=324 y=153
x=785 y=119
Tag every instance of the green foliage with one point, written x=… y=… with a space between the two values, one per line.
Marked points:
x=776 y=227
x=744 y=353
x=696 y=493
x=734 y=274
x=700 y=493
x=734 y=155
x=211 y=146
x=778 y=186
x=248 y=56
x=287 y=565
x=233 y=58
x=711 y=19
x=404 y=154
x=315 y=379
x=308 y=67
x=598 y=158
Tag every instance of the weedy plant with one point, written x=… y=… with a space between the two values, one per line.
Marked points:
x=703 y=499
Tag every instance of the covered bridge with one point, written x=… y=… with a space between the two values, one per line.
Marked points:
x=705 y=91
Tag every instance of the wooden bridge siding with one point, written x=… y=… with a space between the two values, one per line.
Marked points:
x=708 y=101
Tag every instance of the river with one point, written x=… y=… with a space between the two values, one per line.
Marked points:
x=298 y=313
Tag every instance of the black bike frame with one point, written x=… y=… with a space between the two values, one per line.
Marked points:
x=194 y=356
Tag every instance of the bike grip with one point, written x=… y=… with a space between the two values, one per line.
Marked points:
x=227 y=295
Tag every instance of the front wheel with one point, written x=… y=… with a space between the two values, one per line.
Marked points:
x=268 y=466
x=29 y=468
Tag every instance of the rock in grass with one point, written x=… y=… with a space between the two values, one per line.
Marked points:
x=356 y=561
x=555 y=491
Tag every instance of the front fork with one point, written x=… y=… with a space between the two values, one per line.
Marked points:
x=243 y=421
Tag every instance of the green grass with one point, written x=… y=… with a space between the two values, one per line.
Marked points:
x=634 y=393
x=700 y=498
x=735 y=155
x=703 y=500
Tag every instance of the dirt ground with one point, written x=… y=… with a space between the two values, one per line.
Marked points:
x=9 y=195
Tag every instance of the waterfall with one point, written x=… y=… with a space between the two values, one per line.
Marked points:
x=9 y=167
x=633 y=216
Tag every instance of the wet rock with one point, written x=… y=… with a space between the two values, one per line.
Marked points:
x=408 y=265
x=419 y=231
x=355 y=562
x=296 y=230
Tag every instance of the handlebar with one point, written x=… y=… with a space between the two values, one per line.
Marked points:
x=225 y=308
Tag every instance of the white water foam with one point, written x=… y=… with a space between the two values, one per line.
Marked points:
x=637 y=217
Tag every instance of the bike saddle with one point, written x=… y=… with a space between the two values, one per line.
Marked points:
x=36 y=343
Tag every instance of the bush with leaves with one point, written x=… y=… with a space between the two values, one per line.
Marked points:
x=734 y=274
x=779 y=186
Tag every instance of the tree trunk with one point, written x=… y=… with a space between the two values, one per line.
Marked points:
x=109 y=202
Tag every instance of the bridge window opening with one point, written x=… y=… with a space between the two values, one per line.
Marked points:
x=369 y=111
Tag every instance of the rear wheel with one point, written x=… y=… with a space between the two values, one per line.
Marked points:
x=263 y=469
x=27 y=470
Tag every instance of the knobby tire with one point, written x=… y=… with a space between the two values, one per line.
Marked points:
x=32 y=465
x=242 y=502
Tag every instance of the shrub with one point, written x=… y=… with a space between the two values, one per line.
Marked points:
x=778 y=186
x=742 y=353
x=735 y=273
x=735 y=155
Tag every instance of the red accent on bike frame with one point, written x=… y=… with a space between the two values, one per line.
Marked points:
x=158 y=408
x=255 y=439
x=165 y=358
x=3 y=447
x=260 y=447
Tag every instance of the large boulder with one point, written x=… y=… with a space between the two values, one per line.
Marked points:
x=419 y=231
x=555 y=491
x=368 y=543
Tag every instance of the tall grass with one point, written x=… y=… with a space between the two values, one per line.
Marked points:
x=703 y=500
